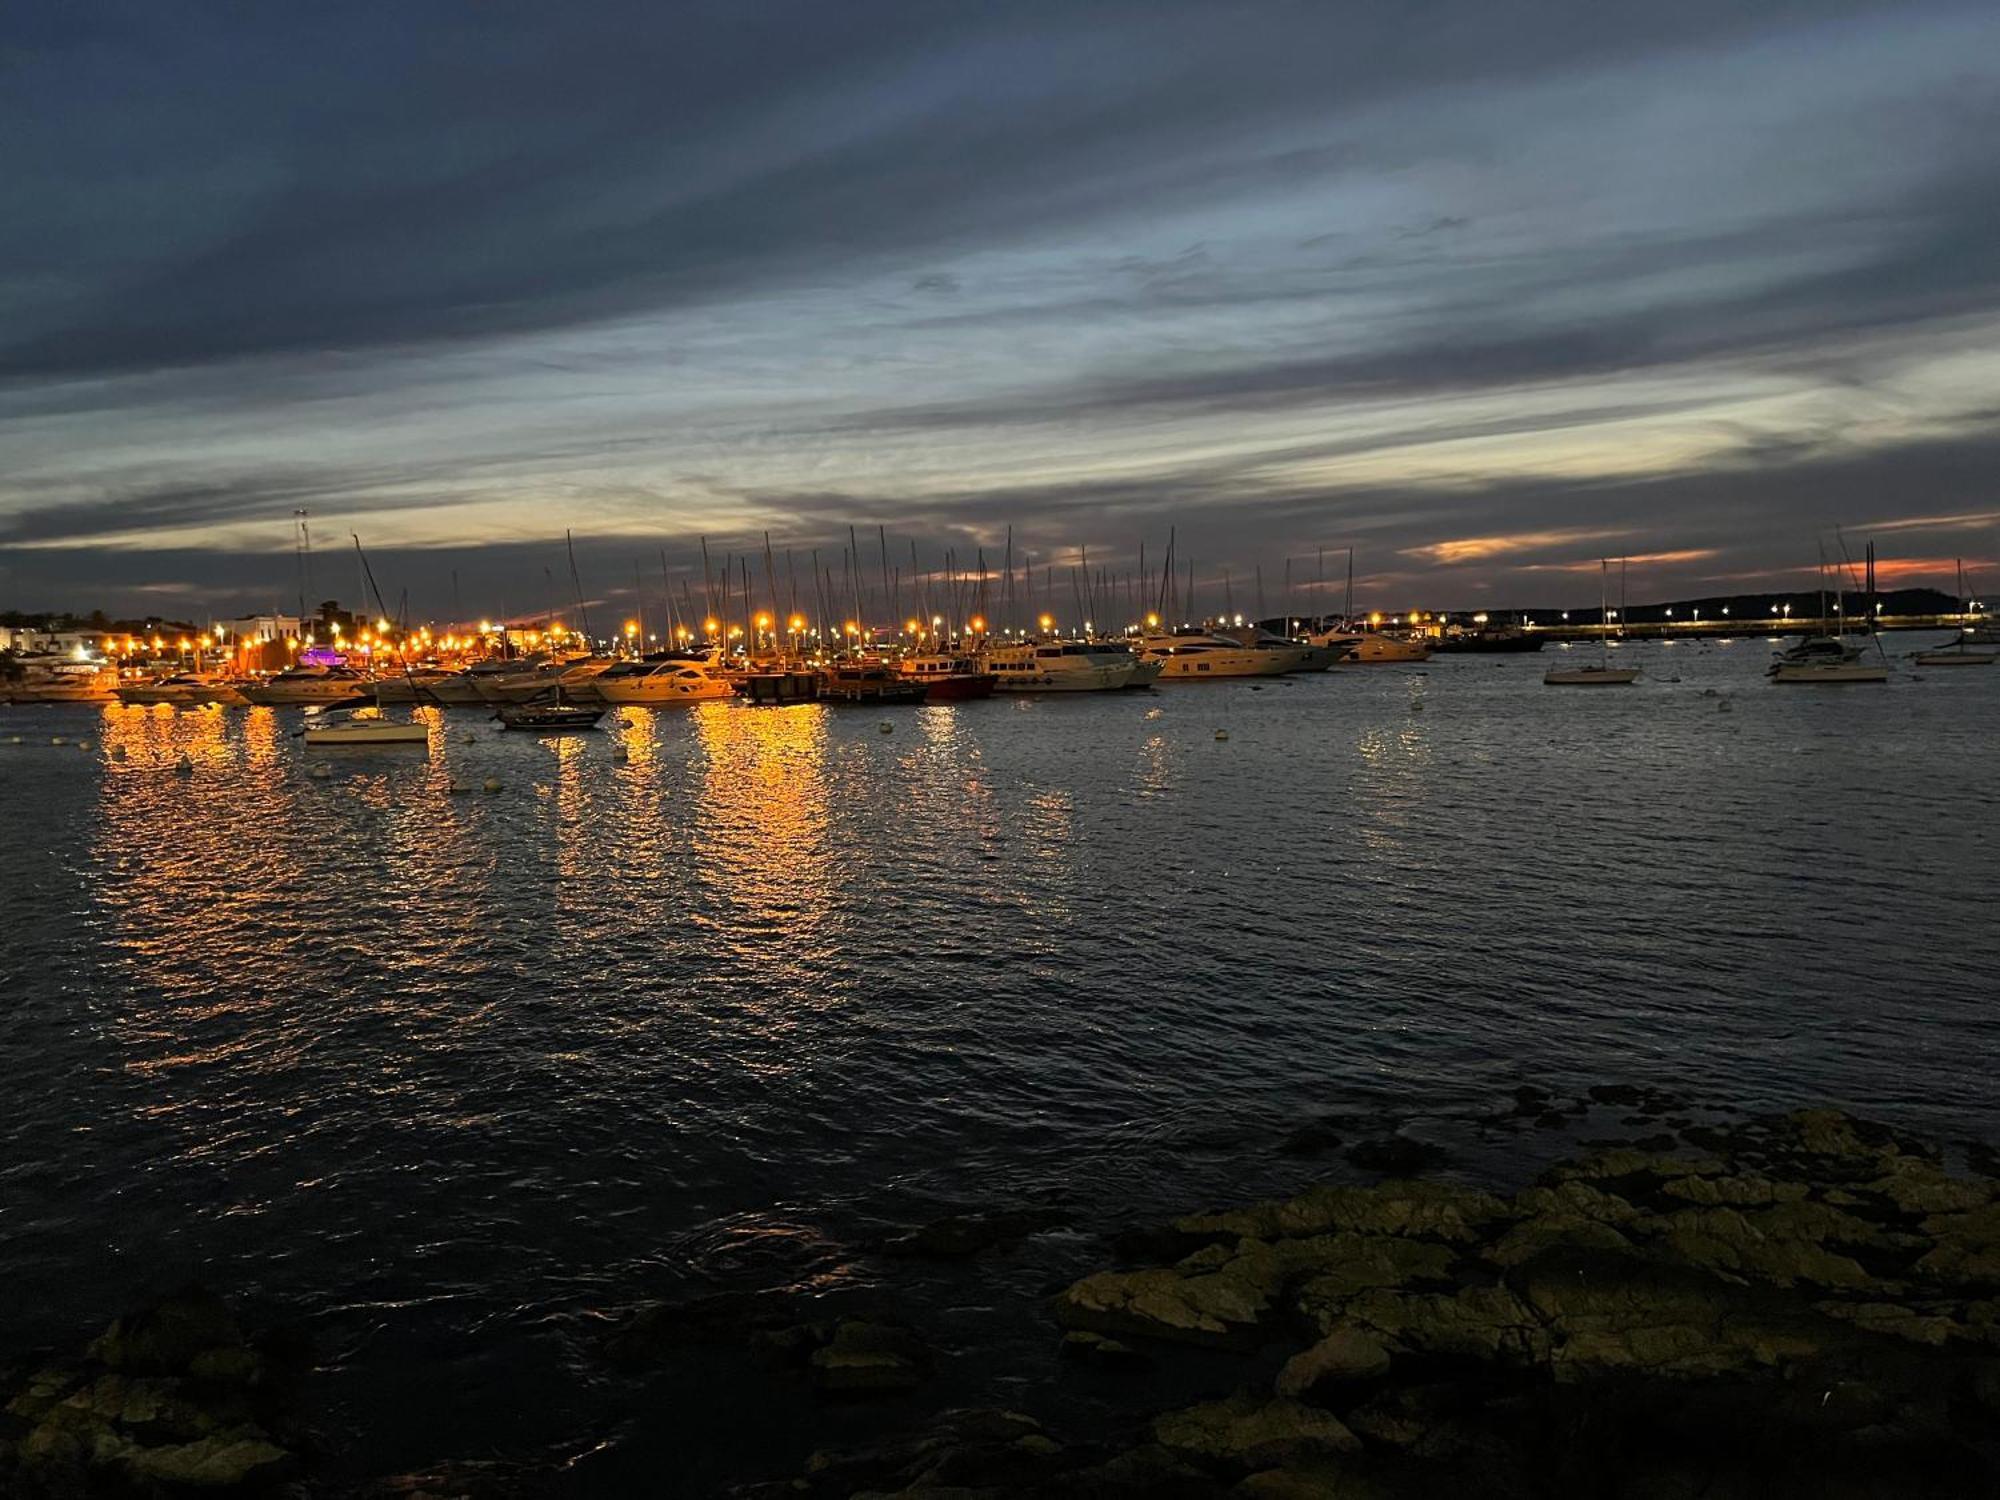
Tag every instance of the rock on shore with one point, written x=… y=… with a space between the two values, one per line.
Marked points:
x=170 y=1400
x=1806 y=1306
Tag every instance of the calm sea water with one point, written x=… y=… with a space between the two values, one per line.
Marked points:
x=449 y=1075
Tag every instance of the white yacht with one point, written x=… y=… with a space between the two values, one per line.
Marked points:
x=1145 y=671
x=308 y=684
x=418 y=685
x=530 y=676
x=49 y=678
x=182 y=688
x=1304 y=657
x=368 y=727
x=658 y=684
x=1825 y=659
x=1365 y=648
x=1200 y=656
x=1057 y=667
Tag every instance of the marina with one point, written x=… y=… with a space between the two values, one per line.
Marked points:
x=826 y=985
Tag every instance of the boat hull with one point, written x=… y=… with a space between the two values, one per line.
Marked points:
x=295 y=695
x=337 y=736
x=1956 y=658
x=1833 y=674
x=957 y=689
x=1209 y=666
x=1590 y=677
x=550 y=721
x=1089 y=680
x=664 y=695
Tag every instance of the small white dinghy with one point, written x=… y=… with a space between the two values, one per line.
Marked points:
x=1589 y=676
x=365 y=728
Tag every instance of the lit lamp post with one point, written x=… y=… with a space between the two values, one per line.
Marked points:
x=1047 y=622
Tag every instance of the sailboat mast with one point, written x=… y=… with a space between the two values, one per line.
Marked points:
x=576 y=584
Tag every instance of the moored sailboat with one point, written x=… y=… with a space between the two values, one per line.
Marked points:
x=1599 y=673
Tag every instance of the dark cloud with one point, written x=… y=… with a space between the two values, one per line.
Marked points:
x=801 y=265
x=209 y=181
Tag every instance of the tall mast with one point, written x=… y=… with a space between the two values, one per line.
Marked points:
x=576 y=583
x=302 y=541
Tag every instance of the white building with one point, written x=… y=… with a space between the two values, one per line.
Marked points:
x=259 y=628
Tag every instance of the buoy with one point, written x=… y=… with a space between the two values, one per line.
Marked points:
x=1222 y=734
x=492 y=784
x=887 y=727
x=117 y=752
x=461 y=789
x=619 y=752
x=322 y=772
x=469 y=737
x=83 y=744
x=56 y=739
x=1725 y=706
x=13 y=739
x=1416 y=705
x=185 y=767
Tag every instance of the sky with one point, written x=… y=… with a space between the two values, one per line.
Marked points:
x=1484 y=292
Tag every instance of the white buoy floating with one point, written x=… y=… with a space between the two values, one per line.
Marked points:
x=619 y=753
x=56 y=739
x=322 y=772
x=492 y=784
x=13 y=739
x=117 y=752
x=1222 y=734
x=185 y=766
x=1725 y=706
x=83 y=744
x=461 y=788
x=887 y=727
x=1416 y=705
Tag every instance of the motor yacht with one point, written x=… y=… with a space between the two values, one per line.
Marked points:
x=1056 y=667
x=308 y=684
x=418 y=685
x=1198 y=656
x=946 y=678
x=1305 y=657
x=1368 y=648
x=680 y=679
x=183 y=689
x=49 y=678
x=868 y=682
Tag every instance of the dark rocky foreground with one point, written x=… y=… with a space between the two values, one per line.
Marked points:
x=1804 y=1306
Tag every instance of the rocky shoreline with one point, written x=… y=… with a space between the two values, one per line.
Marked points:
x=1801 y=1305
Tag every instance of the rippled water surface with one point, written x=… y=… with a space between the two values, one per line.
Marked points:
x=444 y=1074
